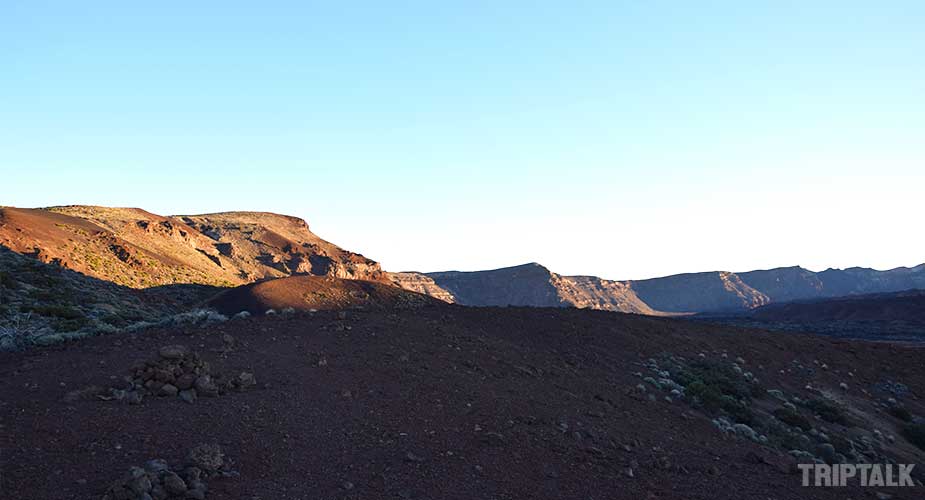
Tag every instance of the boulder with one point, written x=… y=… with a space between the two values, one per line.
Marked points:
x=168 y=390
x=205 y=386
x=174 y=484
x=173 y=351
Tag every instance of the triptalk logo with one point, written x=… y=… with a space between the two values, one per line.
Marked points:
x=867 y=474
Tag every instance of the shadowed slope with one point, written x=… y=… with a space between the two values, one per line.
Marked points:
x=304 y=293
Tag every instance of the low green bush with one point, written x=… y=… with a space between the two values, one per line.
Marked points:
x=712 y=399
x=720 y=376
x=57 y=311
x=827 y=410
x=793 y=418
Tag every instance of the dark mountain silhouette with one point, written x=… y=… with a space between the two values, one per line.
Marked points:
x=718 y=291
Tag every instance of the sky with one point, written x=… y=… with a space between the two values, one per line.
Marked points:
x=623 y=139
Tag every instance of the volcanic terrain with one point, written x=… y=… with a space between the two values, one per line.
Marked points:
x=451 y=402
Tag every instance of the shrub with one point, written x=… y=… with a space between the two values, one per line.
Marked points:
x=712 y=399
x=915 y=433
x=63 y=312
x=793 y=418
x=720 y=376
x=827 y=410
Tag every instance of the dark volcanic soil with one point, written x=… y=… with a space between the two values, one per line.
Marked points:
x=442 y=403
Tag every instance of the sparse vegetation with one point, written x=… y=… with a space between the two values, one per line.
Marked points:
x=716 y=386
x=827 y=410
x=718 y=377
x=57 y=311
x=793 y=418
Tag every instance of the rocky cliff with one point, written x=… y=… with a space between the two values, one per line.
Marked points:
x=525 y=285
x=135 y=248
x=421 y=283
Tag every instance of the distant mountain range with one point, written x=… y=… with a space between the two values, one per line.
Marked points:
x=718 y=291
x=137 y=249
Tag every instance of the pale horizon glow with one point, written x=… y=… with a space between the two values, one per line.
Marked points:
x=621 y=141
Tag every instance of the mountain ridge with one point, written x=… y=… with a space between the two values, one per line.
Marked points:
x=139 y=249
x=684 y=293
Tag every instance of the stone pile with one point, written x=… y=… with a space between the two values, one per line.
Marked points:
x=157 y=481
x=179 y=373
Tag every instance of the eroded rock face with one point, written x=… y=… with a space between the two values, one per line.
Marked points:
x=421 y=283
x=526 y=285
x=283 y=245
x=135 y=248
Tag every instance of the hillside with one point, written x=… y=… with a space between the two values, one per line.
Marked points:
x=138 y=249
x=458 y=403
x=307 y=293
x=44 y=303
x=908 y=306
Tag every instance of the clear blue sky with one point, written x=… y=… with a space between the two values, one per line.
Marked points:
x=622 y=139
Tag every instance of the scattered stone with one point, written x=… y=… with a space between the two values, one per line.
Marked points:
x=173 y=352
x=185 y=381
x=245 y=381
x=156 y=465
x=205 y=386
x=156 y=481
x=188 y=396
x=174 y=484
x=168 y=390
x=133 y=397
x=411 y=457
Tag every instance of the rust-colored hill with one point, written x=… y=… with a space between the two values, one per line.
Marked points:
x=305 y=293
x=135 y=248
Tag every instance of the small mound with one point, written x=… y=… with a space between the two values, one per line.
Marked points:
x=304 y=293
